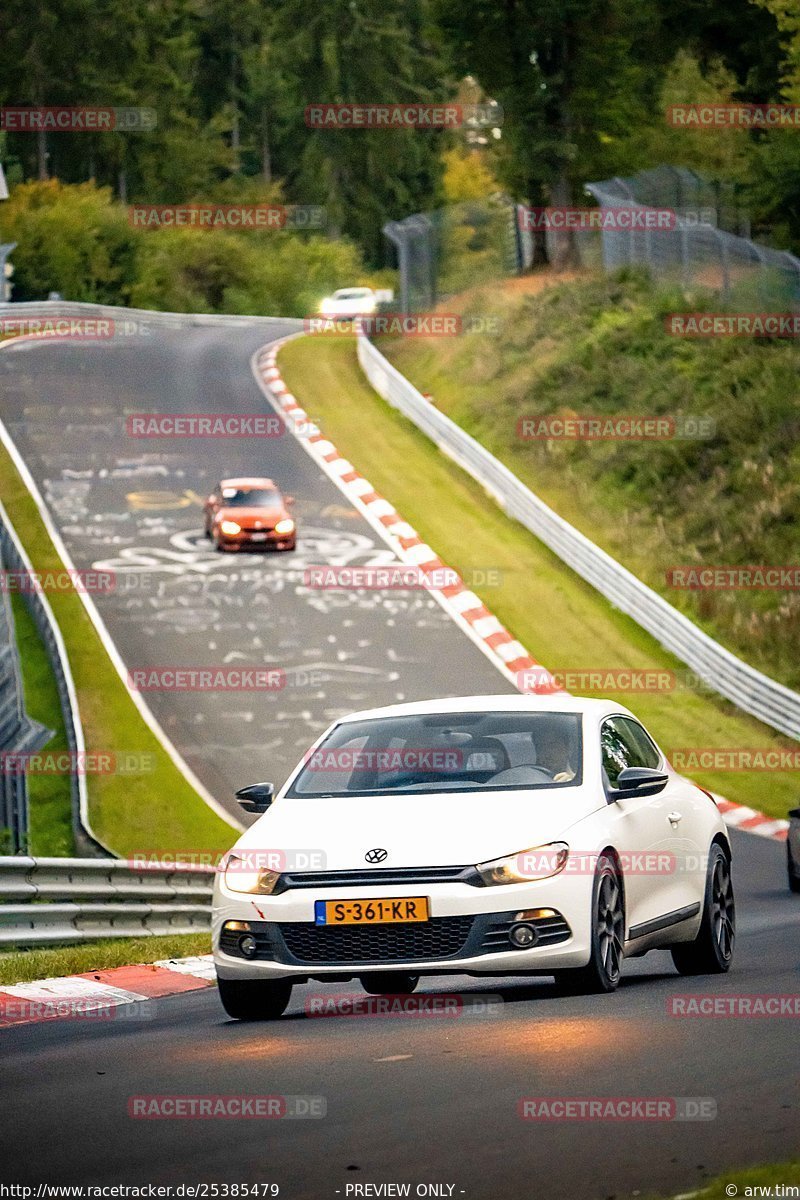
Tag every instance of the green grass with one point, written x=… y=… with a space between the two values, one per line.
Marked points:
x=562 y=621
x=767 y=1176
x=156 y=810
x=598 y=346
x=27 y=965
x=50 y=805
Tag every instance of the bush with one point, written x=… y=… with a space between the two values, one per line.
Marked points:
x=74 y=239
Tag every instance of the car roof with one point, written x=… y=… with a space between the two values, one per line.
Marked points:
x=559 y=703
x=248 y=481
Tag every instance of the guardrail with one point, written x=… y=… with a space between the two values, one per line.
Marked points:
x=16 y=559
x=19 y=733
x=750 y=690
x=78 y=308
x=60 y=900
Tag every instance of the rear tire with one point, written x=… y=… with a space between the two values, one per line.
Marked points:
x=602 y=972
x=711 y=952
x=254 y=999
x=389 y=983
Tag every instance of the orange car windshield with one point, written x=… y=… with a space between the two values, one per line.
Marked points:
x=251 y=498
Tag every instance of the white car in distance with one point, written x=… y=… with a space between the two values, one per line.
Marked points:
x=350 y=302
x=485 y=835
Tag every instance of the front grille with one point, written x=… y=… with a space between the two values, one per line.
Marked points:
x=442 y=937
x=383 y=876
x=550 y=930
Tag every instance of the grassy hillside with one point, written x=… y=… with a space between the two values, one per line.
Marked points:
x=598 y=346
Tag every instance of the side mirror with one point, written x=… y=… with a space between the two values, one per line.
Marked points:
x=639 y=781
x=256 y=797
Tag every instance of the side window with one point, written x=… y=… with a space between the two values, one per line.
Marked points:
x=614 y=750
x=624 y=743
x=636 y=735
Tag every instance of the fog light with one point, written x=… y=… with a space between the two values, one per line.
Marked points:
x=248 y=945
x=523 y=936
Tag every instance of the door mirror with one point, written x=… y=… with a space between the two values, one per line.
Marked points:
x=256 y=797
x=639 y=781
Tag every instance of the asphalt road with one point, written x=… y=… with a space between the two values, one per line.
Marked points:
x=430 y=1099
x=419 y=1101
x=134 y=506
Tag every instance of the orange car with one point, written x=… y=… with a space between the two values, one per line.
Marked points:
x=246 y=513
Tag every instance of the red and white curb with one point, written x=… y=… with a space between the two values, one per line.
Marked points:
x=752 y=821
x=103 y=995
x=463 y=605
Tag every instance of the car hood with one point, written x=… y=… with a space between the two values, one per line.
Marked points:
x=423 y=829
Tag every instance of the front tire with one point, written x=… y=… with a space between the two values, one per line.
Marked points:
x=254 y=999
x=711 y=952
x=602 y=972
x=389 y=983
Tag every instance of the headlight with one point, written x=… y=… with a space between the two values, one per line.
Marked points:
x=230 y=527
x=241 y=879
x=326 y=307
x=540 y=862
x=286 y=526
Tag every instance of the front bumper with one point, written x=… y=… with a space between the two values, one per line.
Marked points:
x=466 y=934
x=256 y=539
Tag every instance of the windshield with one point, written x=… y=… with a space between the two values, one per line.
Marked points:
x=352 y=294
x=251 y=498
x=445 y=752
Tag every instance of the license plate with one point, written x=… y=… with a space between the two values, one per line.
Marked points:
x=371 y=912
x=258 y=537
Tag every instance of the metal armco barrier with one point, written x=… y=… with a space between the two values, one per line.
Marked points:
x=15 y=558
x=127 y=317
x=58 y=900
x=18 y=732
x=747 y=688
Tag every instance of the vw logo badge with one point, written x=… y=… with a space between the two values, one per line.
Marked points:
x=376 y=856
